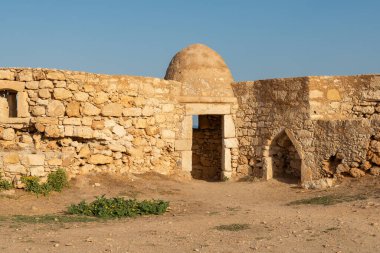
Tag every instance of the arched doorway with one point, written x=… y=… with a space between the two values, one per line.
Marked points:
x=286 y=162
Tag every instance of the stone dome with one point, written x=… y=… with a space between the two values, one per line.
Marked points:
x=202 y=71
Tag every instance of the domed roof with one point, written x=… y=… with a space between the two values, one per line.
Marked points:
x=202 y=71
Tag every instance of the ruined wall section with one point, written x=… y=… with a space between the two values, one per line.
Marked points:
x=344 y=97
x=266 y=108
x=88 y=122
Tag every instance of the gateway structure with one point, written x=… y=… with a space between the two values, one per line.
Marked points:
x=311 y=129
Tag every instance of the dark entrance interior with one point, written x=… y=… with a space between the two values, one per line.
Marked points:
x=11 y=97
x=207 y=147
x=286 y=163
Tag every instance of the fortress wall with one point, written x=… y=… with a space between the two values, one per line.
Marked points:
x=267 y=108
x=88 y=122
x=344 y=97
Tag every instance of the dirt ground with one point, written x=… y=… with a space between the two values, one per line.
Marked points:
x=265 y=222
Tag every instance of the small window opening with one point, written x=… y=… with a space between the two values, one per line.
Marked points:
x=11 y=97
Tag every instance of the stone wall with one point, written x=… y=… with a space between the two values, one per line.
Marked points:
x=122 y=124
x=88 y=122
x=344 y=97
x=329 y=121
x=266 y=109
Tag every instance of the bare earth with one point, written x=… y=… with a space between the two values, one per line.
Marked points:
x=196 y=209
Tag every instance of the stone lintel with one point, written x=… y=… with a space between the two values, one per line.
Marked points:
x=208 y=109
x=12 y=85
x=189 y=99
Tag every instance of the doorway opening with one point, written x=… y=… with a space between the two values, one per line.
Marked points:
x=286 y=162
x=207 y=147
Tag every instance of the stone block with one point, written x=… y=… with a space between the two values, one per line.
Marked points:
x=97 y=124
x=119 y=130
x=230 y=143
x=38 y=110
x=112 y=110
x=140 y=123
x=72 y=121
x=167 y=107
x=55 y=75
x=15 y=169
x=72 y=109
x=81 y=96
x=62 y=93
x=7 y=75
x=186 y=131
x=55 y=109
x=183 y=145
x=46 y=84
x=167 y=134
x=22 y=105
x=100 y=159
x=132 y=112
x=83 y=132
x=55 y=162
x=33 y=85
x=13 y=85
x=228 y=127
x=316 y=94
x=9 y=134
x=333 y=94
x=207 y=109
x=25 y=75
x=11 y=158
x=53 y=131
x=117 y=147
x=147 y=111
x=89 y=109
x=36 y=160
x=44 y=93
x=186 y=161
x=226 y=160
x=37 y=171
x=152 y=130
x=100 y=98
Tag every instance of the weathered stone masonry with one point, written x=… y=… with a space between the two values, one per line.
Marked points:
x=314 y=129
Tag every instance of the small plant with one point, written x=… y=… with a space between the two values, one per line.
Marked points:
x=5 y=185
x=32 y=184
x=57 y=180
x=118 y=207
x=233 y=227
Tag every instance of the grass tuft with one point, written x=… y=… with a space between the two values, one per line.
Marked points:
x=233 y=227
x=328 y=200
x=44 y=219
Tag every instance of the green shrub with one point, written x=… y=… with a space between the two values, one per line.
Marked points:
x=118 y=207
x=5 y=185
x=57 y=180
x=32 y=184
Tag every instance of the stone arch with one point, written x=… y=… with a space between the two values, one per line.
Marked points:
x=283 y=157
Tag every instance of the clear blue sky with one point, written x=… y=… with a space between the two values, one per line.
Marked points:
x=257 y=39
